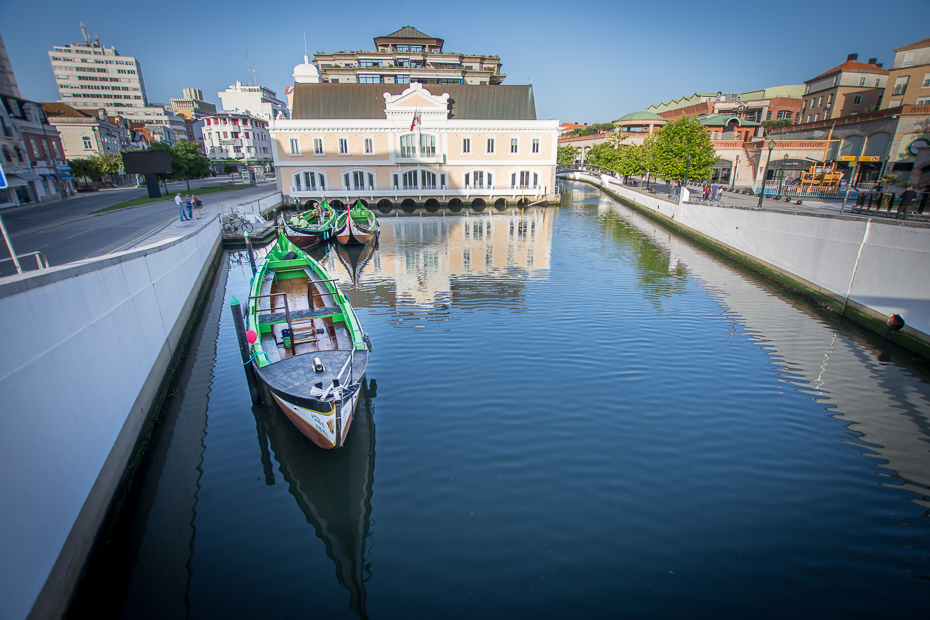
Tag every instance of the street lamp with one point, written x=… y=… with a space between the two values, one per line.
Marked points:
x=735 y=168
x=766 y=172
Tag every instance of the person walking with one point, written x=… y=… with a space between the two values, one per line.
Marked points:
x=197 y=205
x=178 y=201
x=706 y=191
x=189 y=203
x=714 y=189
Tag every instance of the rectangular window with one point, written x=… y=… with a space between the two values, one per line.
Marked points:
x=343 y=146
x=514 y=145
x=784 y=114
x=490 y=146
x=408 y=146
x=345 y=181
x=908 y=59
x=926 y=82
x=900 y=85
x=861 y=81
x=310 y=178
x=535 y=146
x=370 y=79
x=427 y=146
x=878 y=81
x=369 y=146
x=466 y=146
x=857 y=100
x=87 y=143
x=820 y=101
x=295 y=145
x=318 y=146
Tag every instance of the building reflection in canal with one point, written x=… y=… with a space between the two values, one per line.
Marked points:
x=840 y=365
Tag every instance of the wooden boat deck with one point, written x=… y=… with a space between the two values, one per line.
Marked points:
x=314 y=329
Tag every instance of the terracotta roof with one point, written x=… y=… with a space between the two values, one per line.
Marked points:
x=851 y=65
x=641 y=116
x=63 y=110
x=328 y=100
x=914 y=46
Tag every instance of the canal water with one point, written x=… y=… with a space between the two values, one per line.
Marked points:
x=569 y=412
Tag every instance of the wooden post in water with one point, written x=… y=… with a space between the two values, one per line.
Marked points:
x=248 y=245
x=244 y=348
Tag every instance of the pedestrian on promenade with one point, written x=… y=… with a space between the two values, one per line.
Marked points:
x=189 y=203
x=714 y=190
x=178 y=201
x=197 y=206
x=706 y=191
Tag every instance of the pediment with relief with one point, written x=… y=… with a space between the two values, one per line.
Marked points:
x=416 y=99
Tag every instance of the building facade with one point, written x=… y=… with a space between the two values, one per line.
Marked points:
x=909 y=79
x=192 y=106
x=237 y=138
x=408 y=56
x=90 y=76
x=851 y=88
x=8 y=83
x=394 y=145
x=35 y=167
x=86 y=135
x=773 y=103
x=253 y=100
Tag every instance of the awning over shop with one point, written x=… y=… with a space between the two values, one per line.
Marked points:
x=791 y=164
x=26 y=176
x=723 y=163
x=66 y=177
x=14 y=181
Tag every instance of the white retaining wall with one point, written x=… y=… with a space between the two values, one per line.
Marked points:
x=85 y=349
x=890 y=275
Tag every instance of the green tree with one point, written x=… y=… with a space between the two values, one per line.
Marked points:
x=678 y=140
x=230 y=168
x=777 y=123
x=85 y=168
x=565 y=155
x=188 y=162
x=109 y=164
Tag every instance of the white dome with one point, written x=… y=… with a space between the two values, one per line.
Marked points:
x=306 y=73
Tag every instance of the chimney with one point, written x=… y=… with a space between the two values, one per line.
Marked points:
x=852 y=57
x=879 y=65
x=872 y=61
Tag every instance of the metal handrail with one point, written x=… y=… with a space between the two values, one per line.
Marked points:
x=41 y=261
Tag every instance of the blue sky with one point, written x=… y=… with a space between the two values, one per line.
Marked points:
x=589 y=60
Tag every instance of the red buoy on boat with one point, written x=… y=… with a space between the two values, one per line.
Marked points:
x=895 y=322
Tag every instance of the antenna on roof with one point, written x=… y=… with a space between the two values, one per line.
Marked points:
x=84 y=32
x=305 y=44
x=248 y=69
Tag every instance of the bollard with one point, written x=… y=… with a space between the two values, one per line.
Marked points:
x=244 y=348
x=248 y=245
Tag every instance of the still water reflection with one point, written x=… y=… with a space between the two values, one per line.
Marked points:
x=578 y=414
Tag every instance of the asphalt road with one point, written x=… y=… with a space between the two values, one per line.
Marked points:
x=65 y=232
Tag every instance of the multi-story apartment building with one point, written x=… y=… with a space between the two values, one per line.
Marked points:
x=35 y=166
x=192 y=106
x=851 y=88
x=406 y=56
x=8 y=83
x=414 y=144
x=253 y=99
x=237 y=137
x=84 y=134
x=909 y=79
x=91 y=76
x=773 y=103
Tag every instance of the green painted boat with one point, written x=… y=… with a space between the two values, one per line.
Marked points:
x=312 y=227
x=310 y=350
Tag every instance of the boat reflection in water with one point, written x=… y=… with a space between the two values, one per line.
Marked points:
x=355 y=257
x=332 y=487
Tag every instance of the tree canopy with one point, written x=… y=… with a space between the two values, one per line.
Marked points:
x=674 y=143
x=566 y=155
x=186 y=160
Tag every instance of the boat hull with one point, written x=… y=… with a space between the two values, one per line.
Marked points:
x=327 y=423
x=306 y=241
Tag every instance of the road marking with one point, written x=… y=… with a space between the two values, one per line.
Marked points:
x=142 y=236
x=80 y=233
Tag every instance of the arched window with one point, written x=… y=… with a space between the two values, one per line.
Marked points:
x=309 y=181
x=479 y=179
x=359 y=180
x=524 y=179
x=852 y=146
x=7 y=155
x=877 y=145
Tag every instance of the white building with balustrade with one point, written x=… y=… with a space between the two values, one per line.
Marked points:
x=396 y=145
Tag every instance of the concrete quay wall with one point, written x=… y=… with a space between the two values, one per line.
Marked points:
x=863 y=269
x=86 y=352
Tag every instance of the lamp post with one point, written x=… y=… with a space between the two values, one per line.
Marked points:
x=781 y=184
x=766 y=172
x=735 y=168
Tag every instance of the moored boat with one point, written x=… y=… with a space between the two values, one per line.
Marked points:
x=309 y=350
x=311 y=227
x=356 y=225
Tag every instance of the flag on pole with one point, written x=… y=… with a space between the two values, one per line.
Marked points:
x=416 y=120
